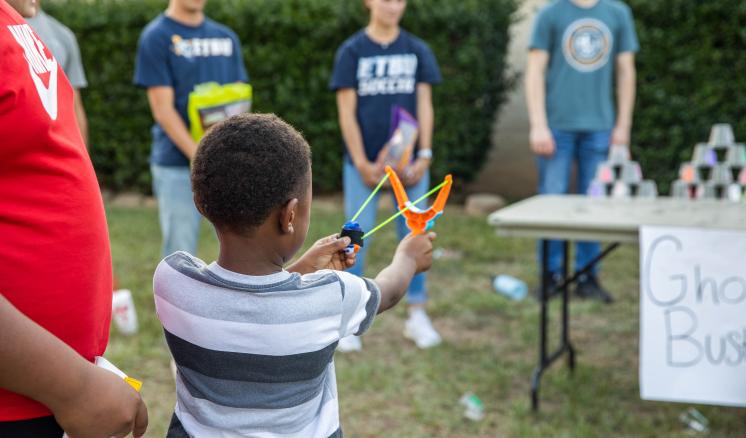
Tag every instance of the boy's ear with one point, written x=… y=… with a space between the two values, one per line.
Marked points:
x=287 y=216
x=197 y=204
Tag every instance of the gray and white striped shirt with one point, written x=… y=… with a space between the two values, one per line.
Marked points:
x=254 y=354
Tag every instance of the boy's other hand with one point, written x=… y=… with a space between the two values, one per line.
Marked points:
x=325 y=253
x=103 y=405
x=418 y=248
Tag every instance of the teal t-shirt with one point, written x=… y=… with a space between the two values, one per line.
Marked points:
x=583 y=44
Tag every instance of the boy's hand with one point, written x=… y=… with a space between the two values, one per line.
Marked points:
x=325 y=253
x=418 y=248
x=103 y=405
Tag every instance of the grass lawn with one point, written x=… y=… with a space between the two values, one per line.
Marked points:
x=490 y=344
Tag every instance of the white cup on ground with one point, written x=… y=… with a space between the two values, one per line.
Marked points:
x=123 y=312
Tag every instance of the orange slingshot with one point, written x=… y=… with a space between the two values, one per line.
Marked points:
x=418 y=220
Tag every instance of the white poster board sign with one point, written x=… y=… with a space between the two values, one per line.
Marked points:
x=693 y=315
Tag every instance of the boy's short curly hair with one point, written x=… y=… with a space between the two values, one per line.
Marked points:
x=247 y=166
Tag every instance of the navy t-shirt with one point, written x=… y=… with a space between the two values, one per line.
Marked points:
x=383 y=76
x=176 y=55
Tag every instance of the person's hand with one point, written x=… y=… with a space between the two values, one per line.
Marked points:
x=542 y=142
x=371 y=173
x=418 y=248
x=103 y=405
x=325 y=253
x=414 y=172
x=620 y=136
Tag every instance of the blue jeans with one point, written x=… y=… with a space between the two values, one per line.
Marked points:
x=356 y=192
x=178 y=216
x=588 y=149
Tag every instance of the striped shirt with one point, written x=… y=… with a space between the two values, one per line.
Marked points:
x=255 y=354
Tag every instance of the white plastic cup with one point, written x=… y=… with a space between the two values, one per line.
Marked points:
x=511 y=287
x=123 y=312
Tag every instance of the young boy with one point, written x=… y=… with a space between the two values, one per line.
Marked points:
x=253 y=342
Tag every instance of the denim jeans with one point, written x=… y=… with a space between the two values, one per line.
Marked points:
x=355 y=193
x=178 y=216
x=588 y=150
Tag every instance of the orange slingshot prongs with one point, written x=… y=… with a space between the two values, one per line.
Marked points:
x=419 y=220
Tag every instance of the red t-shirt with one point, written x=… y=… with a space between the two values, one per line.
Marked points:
x=55 y=260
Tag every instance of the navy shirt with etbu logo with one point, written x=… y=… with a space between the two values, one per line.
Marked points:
x=383 y=76
x=583 y=44
x=173 y=54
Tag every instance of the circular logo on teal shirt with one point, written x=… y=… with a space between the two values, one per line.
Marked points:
x=587 y=44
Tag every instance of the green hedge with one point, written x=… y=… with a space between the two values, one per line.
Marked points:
x=690 y=75
x=289 y=48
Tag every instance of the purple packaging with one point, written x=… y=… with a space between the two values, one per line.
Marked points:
x=398 y=150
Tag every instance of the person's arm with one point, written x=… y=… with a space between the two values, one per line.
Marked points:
x=353 y=138
x=426 y=120
x=625 y=94
x=80 y=115
x=413 y=255
x=540 y=137
x=161 y=99
x=86 y=401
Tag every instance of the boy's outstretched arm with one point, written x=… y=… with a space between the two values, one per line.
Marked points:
x=413 y=255
x=86 y=401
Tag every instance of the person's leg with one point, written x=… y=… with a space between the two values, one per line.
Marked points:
x=44 y=427
x=593 y=149
x=355 y=193
x=179 y=218
x=554 y=178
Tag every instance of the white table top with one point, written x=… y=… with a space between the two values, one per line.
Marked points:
x=575 y=217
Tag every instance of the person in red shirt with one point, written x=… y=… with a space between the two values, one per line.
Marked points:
x=55 y=260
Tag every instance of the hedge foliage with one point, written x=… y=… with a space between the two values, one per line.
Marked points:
x=690 y=76
x=289 y=48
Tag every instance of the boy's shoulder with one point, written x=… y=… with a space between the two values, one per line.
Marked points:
x=179 y=263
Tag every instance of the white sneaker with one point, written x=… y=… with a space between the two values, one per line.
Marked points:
x=349 y=344
x=419 y=329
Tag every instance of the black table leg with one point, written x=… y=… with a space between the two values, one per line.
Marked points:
x=545 y=359
x=543 y=299
x=566 y=307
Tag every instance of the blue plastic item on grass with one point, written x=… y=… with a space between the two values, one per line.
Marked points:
x=511 y=287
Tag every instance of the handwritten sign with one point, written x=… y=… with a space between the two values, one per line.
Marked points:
x=693 y=315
